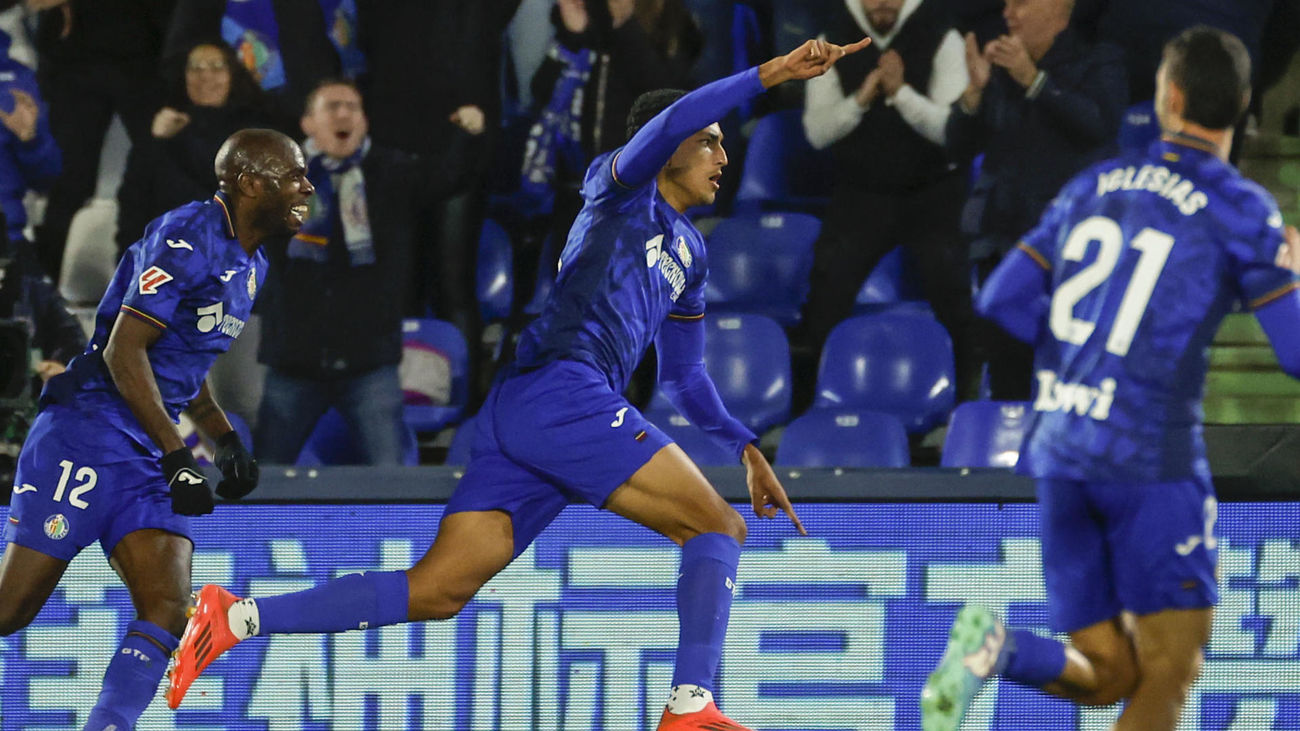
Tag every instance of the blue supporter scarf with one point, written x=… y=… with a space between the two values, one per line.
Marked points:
x=340 y=186
x=556 y=137
x=250 y=27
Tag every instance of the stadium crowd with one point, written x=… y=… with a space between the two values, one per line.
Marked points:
x=448 y=141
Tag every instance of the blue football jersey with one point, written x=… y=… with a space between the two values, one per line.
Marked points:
x=1145 y=253
x=189 y=277
x=631 y=261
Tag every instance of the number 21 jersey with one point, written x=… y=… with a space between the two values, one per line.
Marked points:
x=1145 y=253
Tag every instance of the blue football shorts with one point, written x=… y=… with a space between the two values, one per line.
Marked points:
x=80 y=480
x=1141 y=548
x=548 y=437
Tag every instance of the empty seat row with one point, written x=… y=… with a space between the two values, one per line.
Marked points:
x=980 y=434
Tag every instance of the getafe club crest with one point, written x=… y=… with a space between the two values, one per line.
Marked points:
x=252 y=282
x=57 y=527
x=683 y=252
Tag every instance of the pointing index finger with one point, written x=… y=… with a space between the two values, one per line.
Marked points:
x=855 y=47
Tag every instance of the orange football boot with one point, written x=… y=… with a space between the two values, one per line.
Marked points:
x=708 y=718
x=206 y=636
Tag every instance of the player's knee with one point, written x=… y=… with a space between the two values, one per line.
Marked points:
x=735 y=525
x=1118 y=676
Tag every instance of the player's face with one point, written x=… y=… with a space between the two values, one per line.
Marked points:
x=283 y=202
x=207 y=78
x=336 y=121
x=691 y=176
x=882 y=14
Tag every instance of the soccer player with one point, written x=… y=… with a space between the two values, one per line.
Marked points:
x=104 y=460
x=556 y=427
x=1121 y=288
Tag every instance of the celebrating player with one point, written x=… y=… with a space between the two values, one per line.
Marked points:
x=556 y=427
x=104 y=460
x=1121 y=287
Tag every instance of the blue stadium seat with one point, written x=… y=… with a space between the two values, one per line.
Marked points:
x=897 y=361
x=760 y=263
x=461 y=442
x=495 y=284
x=748 y=359
x=892 y=283
x=332 y=443
x=434 y=373
x=699 y=446
x=782 y=171
x=985 y=434
x=842 y=438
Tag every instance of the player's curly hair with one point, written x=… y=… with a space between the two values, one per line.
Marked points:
x=1212 y=68
x=648 y=105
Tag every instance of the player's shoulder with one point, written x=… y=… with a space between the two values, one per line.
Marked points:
x=185 y=232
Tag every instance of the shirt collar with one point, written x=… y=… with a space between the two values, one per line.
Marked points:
x=224 y=202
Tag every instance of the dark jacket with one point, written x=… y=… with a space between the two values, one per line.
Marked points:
x=628 y=64
x=424 y=61
x=331 y=319
x=1033 y=146
x=123 y=33
x=162 y=174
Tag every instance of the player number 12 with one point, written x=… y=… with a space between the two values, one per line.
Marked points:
x=1153 y=247
x=85 y=476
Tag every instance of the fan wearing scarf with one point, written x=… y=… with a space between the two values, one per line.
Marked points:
x=331 y=315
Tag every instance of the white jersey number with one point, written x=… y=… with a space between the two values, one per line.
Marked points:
x=85 y=476
x=1154 y=247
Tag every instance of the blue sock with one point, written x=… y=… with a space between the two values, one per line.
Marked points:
x=354 y=601
x=708 y=576
x=1032 y=660
x=132 y=676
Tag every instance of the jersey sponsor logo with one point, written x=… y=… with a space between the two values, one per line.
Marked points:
x=180 y=244
x=1154 y=179
x=25 y=487
x=1275 y=220
x=214 y=317
x=57 y=527
x=674 y=275
x=225 y=276
x=1084 y=400
x=652 y=249
x=684 y=252
x=153 y=278
x=618 y=418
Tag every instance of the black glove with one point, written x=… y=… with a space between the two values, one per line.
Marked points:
x=239 y=471
x=190 y=492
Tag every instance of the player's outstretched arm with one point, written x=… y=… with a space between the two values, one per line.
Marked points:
x=649 y=149
x=127 y=357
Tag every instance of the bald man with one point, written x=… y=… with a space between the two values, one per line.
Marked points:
x=104 y=460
